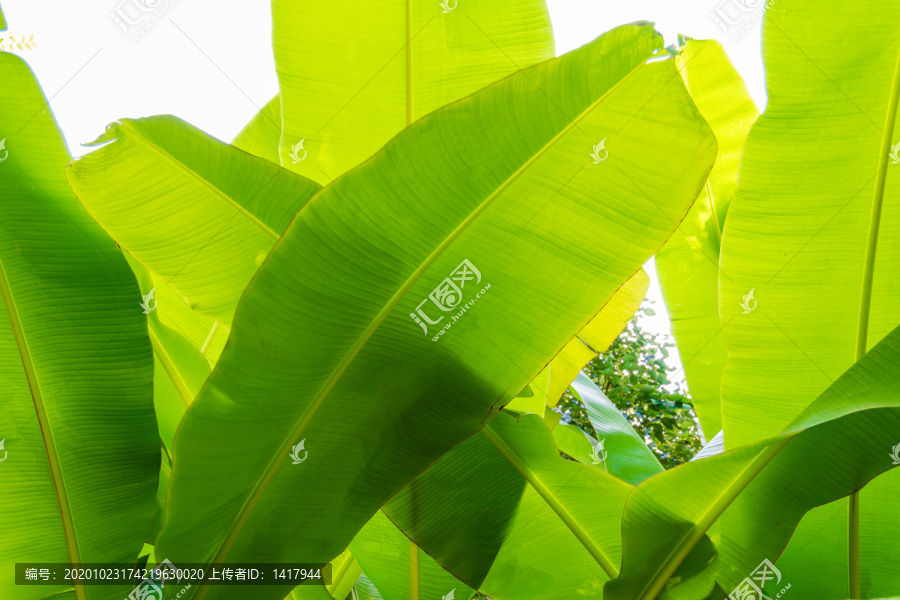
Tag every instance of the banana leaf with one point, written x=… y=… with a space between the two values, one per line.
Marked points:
x=506 y=514
x=688 y=265
x=813 y=232
x=755 y=495
x=79 y=452
x=216 y=211
x=330 y=363
x=549 y=385
x=398 y=568
x=627 y=456
x=354 y=73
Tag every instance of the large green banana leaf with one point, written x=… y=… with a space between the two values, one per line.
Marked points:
x=801 y=233
x=324 y=351
x=688 y=265
x=354 y=73
x=546 y=389
x=757 y=493
x=505 y=513
x=398 y=568
x=205 y=215
x=80 y=452
x=215 y=213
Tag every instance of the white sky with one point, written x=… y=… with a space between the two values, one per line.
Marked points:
x=210 y=62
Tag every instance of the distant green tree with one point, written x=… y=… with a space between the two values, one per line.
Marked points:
x=634 y=376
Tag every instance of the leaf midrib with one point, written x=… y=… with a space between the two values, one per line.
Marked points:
x=865 y=306
x=328 y=386
x=341 y=572
x=553 y=502
x=692 y=536
x=46 y=431
x=127 y=124
x=170 y=368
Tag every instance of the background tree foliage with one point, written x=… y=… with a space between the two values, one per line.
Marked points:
x=634 y=376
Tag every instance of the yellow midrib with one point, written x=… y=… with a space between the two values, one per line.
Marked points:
x=170 y=368
x=46 y=431
x=351 y=354
x=680 y=551
x=342 y=570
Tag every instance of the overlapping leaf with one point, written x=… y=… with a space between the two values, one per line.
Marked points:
x=395 y=565
x=756 y=494
x=205 y=215
x=354 y=73
x=688 y=265
x=505 y=513
x=798 y=232
x=324 y=351
x=80 y=455
x=596 y=336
